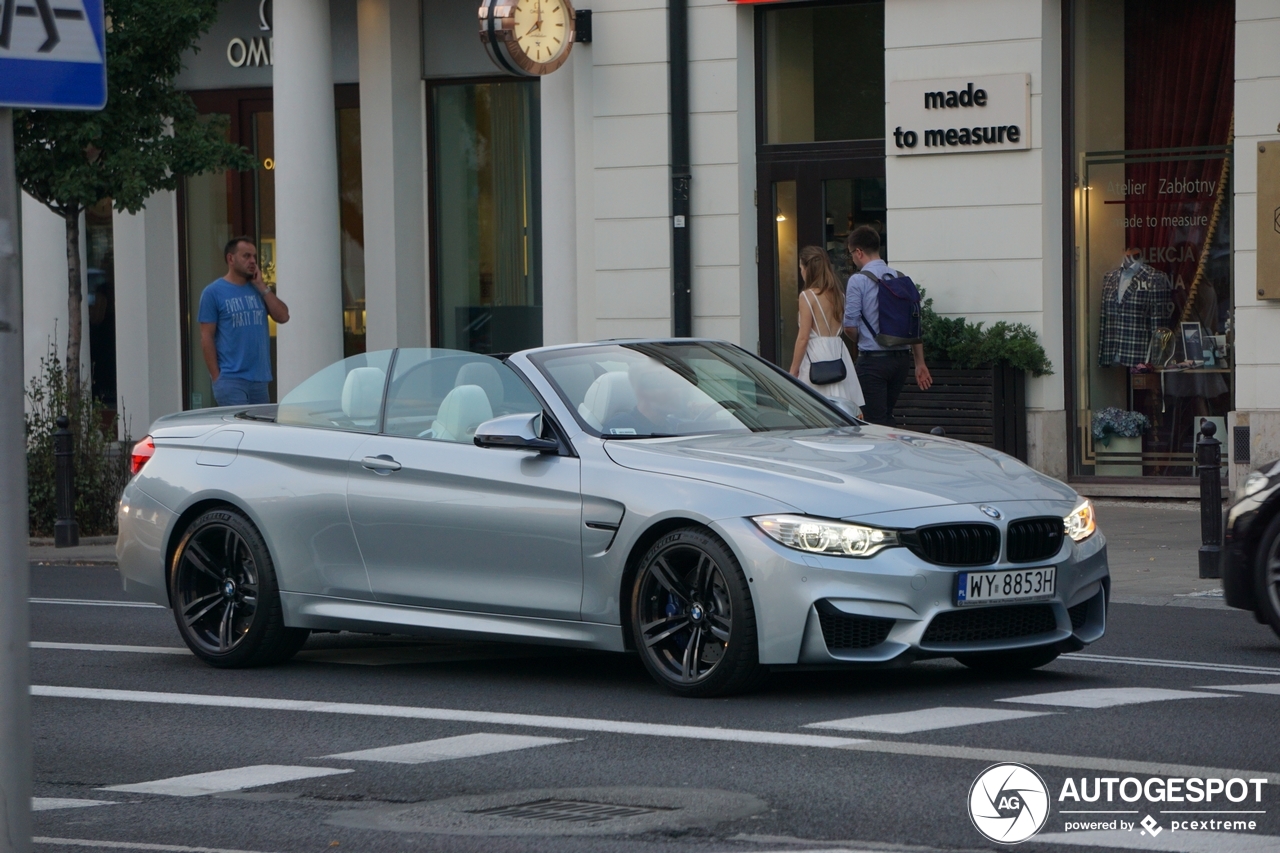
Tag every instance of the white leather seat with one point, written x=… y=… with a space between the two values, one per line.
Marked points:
x=486 y=376
x=362 y=395
x=461 y=411
x=609 y=395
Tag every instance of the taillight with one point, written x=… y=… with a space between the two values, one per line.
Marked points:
x=142 y=452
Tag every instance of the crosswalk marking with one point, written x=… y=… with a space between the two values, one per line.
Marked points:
x=106 y=647
x=444 y=749
x=1269 y=689
x=1108 y=697
x=87 y=602
x=94 y=843
x=1084 y=657
x=1168 y=842
x=221 y=781
x=44 y=804
x=925 y=719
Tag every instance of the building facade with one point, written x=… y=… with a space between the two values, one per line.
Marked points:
x=1095 y=169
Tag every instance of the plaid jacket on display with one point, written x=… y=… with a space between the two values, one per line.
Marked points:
x=1128 y=321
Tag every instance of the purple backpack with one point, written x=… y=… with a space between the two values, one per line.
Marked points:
x=899 y=310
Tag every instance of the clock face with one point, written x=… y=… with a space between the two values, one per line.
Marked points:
x=543 y=29
x=527 y=37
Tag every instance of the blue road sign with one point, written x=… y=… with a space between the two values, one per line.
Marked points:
x=52 y=54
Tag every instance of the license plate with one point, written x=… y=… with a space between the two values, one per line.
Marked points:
x=1019 y=585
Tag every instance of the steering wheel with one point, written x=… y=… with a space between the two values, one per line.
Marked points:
x=714 y=410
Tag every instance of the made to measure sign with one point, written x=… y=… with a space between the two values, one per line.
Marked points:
x=52 y=54
x=959 y=115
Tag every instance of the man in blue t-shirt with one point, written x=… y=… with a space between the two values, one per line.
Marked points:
x=233 y=328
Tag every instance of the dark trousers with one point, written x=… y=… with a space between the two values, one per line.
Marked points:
x=882 y=375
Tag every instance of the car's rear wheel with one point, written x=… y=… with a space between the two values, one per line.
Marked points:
x=692 y=617
x=1016 y=660
x=225 y=597
x=1268 y=574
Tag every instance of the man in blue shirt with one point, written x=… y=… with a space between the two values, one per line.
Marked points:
x=882 y=371
x=233 y=328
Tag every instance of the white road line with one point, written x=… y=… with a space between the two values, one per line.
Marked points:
x=45 y=804
x=1169 y=842
x=221 y=781
x=132 y=845
x=447 y=748
x=1269 y=689
x=85 y=602
x=582 y=724
x=923 y=720
x=1172 y=664
x=102 y=647
x=1108 y=697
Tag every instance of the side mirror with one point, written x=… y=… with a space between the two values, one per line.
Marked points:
x=844 y=406
x=521 y=432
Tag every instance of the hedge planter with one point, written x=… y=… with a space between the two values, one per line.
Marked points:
x=985 y=405
x=1121 y=458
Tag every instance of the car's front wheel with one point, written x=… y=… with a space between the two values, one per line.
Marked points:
x=1016 y=660
x=692 y=618
x=1268 y=575
x=224 y=594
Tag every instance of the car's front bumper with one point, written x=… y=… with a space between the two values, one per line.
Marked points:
x=794 y=592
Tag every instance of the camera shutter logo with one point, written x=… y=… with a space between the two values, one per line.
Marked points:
x=1008 y=803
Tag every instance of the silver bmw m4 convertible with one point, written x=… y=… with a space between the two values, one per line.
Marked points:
x=682 y=499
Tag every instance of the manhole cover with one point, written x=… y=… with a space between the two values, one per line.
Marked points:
x=575 y=811
x=561 y=811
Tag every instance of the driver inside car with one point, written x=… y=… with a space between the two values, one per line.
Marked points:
x=662 y=402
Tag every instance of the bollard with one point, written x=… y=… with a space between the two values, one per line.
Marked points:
x=1209 y=461
x=66 y=533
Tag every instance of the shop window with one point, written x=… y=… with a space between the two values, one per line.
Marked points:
x=824 y=73
x=1153 y=295
x=217 y=206
x=487 y=265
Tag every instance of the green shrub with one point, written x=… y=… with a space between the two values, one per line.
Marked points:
x=969 y=345
x=101 y=462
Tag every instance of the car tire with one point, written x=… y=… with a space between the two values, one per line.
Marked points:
x=1017 y=660
x=692 y=618
x=1267 y=574
x=222 y=586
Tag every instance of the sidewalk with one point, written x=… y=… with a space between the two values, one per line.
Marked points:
x=1152 y=546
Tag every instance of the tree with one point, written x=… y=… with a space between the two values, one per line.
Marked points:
x=147 y=138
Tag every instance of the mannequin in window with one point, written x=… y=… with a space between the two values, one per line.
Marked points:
x=1135 y=302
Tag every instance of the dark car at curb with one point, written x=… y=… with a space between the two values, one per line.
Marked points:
x=1251 y=547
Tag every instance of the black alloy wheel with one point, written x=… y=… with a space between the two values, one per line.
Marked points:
x=692 y=618
x=224 y=594
x=1268 y=575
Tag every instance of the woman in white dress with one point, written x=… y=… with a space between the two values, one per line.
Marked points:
x=821 y=315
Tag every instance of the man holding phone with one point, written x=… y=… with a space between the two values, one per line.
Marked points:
x=233 y=328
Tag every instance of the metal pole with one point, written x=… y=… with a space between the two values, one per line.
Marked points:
x=1209 y=457
x=15 y=690
x=66 y=533
x=681 y=174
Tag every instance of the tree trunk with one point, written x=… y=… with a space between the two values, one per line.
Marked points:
x=75 y=292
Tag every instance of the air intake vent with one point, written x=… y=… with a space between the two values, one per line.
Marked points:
x=843 y=631
x=955 y=544
x=1031 y=539
x=990 y=623
x=1079 y=615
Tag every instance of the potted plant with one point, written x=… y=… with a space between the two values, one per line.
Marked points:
x=1117 y=437
x=979 y=381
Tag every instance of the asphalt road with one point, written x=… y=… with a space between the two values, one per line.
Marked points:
x=478 y=732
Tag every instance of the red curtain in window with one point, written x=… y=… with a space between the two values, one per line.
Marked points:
x=1179 y=86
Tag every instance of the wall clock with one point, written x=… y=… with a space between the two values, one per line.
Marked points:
x=527 y=37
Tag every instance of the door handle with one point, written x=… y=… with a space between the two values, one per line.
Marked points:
x=382 y=464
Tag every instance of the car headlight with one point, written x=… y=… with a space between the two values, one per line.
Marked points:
x=1254 y=483
x=1081 y=523
x=819 y=536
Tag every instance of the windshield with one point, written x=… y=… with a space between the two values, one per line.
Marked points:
x=646 y=390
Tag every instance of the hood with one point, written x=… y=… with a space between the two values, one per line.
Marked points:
x=848 y=472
